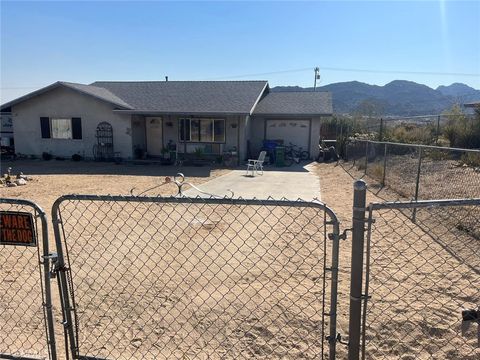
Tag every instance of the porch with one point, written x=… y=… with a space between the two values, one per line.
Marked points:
x=200 y=138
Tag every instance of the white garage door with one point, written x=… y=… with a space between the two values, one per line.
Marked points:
x=290 y=131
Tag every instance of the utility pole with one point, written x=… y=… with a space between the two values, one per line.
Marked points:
x=317 y=77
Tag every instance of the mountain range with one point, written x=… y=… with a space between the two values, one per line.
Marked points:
x=399 y=97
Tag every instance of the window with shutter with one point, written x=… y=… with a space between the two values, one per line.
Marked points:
x=45 y=127
x=76 y=128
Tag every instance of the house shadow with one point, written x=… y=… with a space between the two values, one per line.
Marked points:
x=68 y=167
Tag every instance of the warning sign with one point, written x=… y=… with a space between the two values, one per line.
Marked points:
x=17 y=228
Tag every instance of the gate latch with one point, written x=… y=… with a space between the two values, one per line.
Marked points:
x=344 y=234
x=53 y=258
x=338 y=339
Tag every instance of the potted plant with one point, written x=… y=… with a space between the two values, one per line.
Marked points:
x=139 y=153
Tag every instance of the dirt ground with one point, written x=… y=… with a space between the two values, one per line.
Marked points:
x=52 y=179
x=196 y=281
x=422 y=275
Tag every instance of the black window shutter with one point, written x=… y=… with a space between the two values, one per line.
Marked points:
x=76 y=128
x=45 y=127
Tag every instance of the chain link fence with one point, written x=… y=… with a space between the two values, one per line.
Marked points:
x=161 y=278
x=419 y=278
x=199 y=278
x=417 y=171
x=26 y=320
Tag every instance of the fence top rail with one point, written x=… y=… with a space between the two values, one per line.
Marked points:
x=419 y=146
x=423 y=204
x=315 y=203
x=23 y=202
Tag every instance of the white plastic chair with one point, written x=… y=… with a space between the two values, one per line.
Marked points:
x=256 y=165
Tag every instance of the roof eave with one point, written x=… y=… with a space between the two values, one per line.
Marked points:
x=30 y=95
x=51 y=87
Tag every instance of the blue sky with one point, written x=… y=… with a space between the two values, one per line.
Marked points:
x=42 y=42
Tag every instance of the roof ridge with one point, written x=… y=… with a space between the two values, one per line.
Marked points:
x=177 y=81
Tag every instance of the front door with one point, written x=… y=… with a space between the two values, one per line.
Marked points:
x=154 y=136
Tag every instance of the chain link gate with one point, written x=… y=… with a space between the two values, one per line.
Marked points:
x=26 y=321
x=421 y=297
x=153 y=277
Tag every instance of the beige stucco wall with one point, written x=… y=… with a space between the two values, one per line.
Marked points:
x=257 y=133
x=66 y=103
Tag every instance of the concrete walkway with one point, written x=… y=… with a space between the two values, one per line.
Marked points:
x=292 y=183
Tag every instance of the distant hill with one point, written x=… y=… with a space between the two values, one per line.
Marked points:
x=399 y=97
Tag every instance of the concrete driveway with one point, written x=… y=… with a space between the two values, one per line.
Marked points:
x=297 y=181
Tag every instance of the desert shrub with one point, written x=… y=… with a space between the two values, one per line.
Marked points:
x=461 y=131
x=361 y=164
x=376 y=171
x=47 y=156
x=437 y=154
x=471 y=159
x=411 y=134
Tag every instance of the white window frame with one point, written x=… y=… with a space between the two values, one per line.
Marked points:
x=200 y=126
x=52 y=120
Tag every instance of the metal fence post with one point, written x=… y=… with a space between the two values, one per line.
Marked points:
x=333 y=296
x=417 y=184
x=385 y=152
x=64 y=289
x=358 y=233
x=380 y=136
x=366 y=156
x=437 y=135
x=48 y=290
x=354 y=152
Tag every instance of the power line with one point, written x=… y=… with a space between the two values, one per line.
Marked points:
x=261 y=74
x=402 y=72
x=350 y=70
x=372 y=71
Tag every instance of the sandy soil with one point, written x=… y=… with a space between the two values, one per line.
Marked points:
x=54 y=178
x=196 y=281
x=199 y=281
x=422 y=276
x=20 y=295
x=439 y=179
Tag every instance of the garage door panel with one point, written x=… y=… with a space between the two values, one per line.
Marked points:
x=290 y=131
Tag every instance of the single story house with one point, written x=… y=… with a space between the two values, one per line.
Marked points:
x=143 y=117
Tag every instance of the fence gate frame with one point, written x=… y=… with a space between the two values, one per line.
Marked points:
x=66 y=282
x=363 y=218
x=47 y=260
